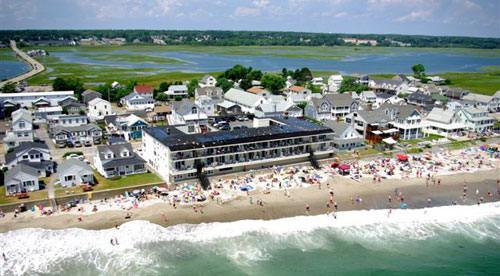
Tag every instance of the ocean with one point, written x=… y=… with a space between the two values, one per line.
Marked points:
x=450 y=240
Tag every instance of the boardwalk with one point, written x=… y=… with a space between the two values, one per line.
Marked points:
x=36 y=67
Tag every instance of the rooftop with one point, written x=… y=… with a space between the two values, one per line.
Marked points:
x=280 y=128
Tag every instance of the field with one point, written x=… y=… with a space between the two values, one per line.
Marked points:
x=487 y=82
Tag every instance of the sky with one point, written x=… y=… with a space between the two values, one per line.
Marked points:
x=479 y=18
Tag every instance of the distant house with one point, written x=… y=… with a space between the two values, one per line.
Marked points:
x=88 y=132
x=98 y=108
x=278 y=109
x=206 y=104
x=420 y=99
x=247 y=101
x=215 y=93
x=490 y=103
x=22 y=129
x=259 y=91
x=294 y=89
x=175 y=91
x=136 y=101
x=227 y=107
x=207 y=80
x=388 y=86
x=289 y=81
x=187 y=113
x=118 y=160
x=42 y=114
x=89 y=94
x=319 y=109
x=71 y=105
x=69 y=120
x=317 y=81
x=368 y=97
x=360 y=78
x=341 y=104
x=345 y=137
x=454 y=92
x=335 y=80
x=159 y=114
x=37 y=99
x=21 y=178
x=145 y=91
x=73 y=172
x=128 y=125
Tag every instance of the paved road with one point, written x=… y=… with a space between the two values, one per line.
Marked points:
x=36 y=67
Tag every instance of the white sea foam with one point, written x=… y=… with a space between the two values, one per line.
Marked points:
x=39 y=251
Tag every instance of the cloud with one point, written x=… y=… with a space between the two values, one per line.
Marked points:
x=340 y=14
x=468 y=4
x=415 y=15
x=256 y=9
x=118 y=9
x=20 y=10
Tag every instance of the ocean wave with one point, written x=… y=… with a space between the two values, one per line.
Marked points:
x=143 y=244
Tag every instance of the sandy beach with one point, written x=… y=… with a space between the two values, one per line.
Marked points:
x=277 y=205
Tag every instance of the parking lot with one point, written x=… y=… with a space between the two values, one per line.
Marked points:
x=232 y=121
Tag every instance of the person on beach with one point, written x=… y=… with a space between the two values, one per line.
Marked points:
x=429 y=202
x=327 y=207
x=4 y=257
x=116 y=225
x=116 y=241
x=389 y=213
x=307 y=209
x=390 y=199
x=112 y=242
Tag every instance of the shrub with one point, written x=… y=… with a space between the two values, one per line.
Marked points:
x=427 y=146
x=72 y=152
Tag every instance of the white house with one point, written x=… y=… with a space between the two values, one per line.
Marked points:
x=319 y=109
x=135 y=101
x=476 y=119
x=207 y=80
x=294 y=89
x=28 y=99
x=43 y=113
x=33 y=154
x=145 y=91
x=345 y=137
x=445 y=122
x=368 y=96
x=22 y=129
x=73 y=172
x=247 y=101
x=206 y=104
x=118 y=160
x=317 y=81
x=98 y=108
x=389 y=86
x=21 y=179
x=187 y=113
x=289 y=81
x=176 y=91
x=70 y=120
x=406 y=118
x=335 y=80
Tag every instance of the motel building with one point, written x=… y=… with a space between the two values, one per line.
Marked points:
x=176 y=155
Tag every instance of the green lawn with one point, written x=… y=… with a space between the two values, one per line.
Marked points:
x=487 y=82
x=416 y=141
x=460 y=144
x=12 y=199
x=105 y=184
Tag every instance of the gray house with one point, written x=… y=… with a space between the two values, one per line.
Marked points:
x=345 y=137
x=89 y=94
x=118 y=160
x=73 y=172
x=21 y=178
x=89 y=132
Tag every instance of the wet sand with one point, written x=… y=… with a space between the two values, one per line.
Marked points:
x=277 y=205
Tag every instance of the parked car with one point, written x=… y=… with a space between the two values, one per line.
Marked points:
x=69 y=144
x=78 y=144
x=88 y=143
x=243 y=126
x=236 y=127
x=61 y=145
x=75 y=156
x=241 y=118
x=225 y=127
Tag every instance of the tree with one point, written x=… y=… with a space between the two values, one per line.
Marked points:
x=161 y=97
x=224 y=83
x=164 y=86
x=192 y=86
x=246 y=83
x=237 y=72
x=9 y=87
x=70 y=84
x=418 y=70
x=350 y=84
x=302 y=105
x=272 y=82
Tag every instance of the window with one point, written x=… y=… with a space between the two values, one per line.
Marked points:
x=69 y=178
x=193 y=110
x=21 y=125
